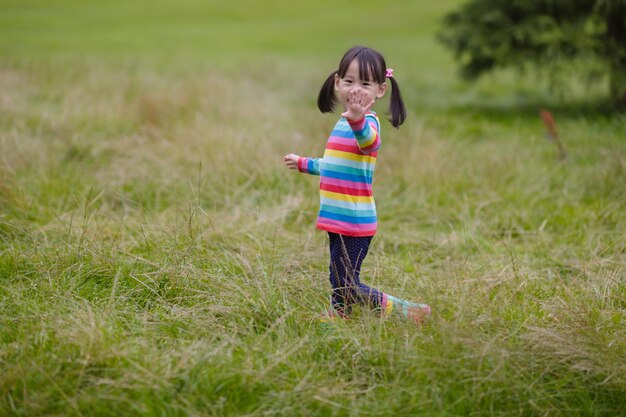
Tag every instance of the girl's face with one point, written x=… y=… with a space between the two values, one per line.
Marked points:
x=352 y=81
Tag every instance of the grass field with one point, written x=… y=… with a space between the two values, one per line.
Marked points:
x=157 y=259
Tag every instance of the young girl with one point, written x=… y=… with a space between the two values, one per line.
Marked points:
x=347 y=208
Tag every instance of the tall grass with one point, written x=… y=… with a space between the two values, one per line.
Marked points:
x=156 y=258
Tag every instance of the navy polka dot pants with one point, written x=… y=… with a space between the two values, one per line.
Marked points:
x=346 y=255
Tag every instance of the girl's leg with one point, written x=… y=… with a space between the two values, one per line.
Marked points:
x=346 y=255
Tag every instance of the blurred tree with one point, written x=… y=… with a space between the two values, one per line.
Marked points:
x=490 y=34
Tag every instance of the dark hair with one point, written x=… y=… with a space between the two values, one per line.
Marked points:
x=372 y=67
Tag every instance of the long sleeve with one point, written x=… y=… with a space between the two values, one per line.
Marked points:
x=366 y=134
x=347 y=204
x=309 y=165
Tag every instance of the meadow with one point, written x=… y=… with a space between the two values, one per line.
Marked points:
x=157 y=258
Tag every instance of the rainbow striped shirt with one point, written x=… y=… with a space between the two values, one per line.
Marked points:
x=346 y=171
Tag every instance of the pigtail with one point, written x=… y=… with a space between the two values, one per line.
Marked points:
x=326 y=99
x=396 y=105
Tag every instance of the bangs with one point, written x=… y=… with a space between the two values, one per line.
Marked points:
x=371 y=64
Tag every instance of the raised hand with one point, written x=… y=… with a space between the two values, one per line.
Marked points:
x=291 y=160
x=359 y=103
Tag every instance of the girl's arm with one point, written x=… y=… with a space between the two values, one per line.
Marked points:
x=366 y=133
x=303 y=164
x=364 y=124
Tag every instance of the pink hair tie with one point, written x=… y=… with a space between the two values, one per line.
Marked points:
x=389 y=73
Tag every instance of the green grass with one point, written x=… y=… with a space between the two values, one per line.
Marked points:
x=156 y=258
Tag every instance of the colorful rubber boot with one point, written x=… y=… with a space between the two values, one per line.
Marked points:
x=412 y=311
x=334 y=312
